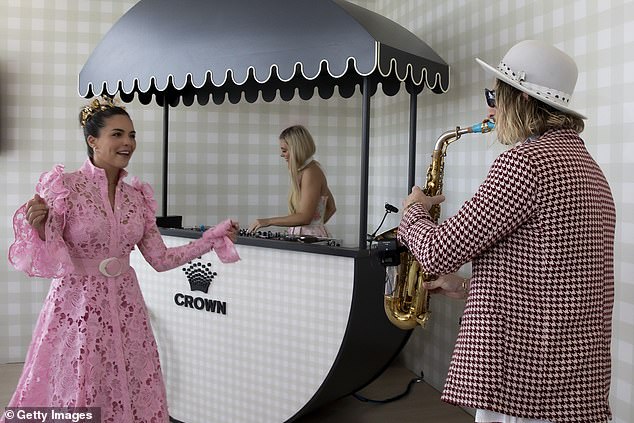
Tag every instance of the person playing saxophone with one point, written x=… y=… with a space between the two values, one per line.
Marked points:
x=534 y=340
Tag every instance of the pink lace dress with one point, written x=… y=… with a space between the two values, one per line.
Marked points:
x=93 y=345
x=316 y=227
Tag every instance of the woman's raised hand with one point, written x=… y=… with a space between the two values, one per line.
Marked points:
x=36 y=214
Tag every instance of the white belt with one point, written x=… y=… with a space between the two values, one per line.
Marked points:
x=110 y=267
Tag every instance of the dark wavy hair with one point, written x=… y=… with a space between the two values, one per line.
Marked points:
x=97 y=121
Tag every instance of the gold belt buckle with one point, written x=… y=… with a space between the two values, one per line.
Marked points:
x=103 y=267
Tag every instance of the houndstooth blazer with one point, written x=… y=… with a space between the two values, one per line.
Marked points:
x=535 y=335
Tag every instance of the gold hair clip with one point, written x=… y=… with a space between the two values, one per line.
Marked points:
x=97 y=105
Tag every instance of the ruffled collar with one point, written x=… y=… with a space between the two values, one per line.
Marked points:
x=94 y=172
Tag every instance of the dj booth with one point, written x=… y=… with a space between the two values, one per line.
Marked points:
x=291 y=326
x=294 y=324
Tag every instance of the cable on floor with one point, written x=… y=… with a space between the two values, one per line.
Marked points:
x=394 y=398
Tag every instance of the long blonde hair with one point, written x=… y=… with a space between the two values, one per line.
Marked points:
x=523 y=116
x=301 y=147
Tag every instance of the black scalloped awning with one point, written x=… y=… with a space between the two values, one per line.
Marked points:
x=189 y=50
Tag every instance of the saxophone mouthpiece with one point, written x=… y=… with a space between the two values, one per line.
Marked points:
x=485 y=126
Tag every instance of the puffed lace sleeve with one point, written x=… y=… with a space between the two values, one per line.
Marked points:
x=162 y=258
x=28 y=253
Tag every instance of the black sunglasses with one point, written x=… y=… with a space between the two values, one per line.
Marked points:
x=490 y=97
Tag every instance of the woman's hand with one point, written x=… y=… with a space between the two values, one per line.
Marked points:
x=259 y=224
x=451 y=285
x=232 y=232
x=418 y=196
x=36 y=215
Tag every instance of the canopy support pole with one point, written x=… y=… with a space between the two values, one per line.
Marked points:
x=166 y=113
x=411 y=172
x=365 y=164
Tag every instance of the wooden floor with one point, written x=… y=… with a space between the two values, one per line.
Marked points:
x=422 y=404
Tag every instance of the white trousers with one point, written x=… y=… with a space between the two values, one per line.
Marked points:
x=486 y=416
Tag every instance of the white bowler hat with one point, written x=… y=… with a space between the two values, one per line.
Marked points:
x=541 y=71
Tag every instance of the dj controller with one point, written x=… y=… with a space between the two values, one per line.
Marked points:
x=276 y=236
x=280 y=236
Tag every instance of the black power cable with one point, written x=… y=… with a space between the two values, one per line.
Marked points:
x=394 y=398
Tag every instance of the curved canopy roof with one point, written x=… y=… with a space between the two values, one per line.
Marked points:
x=219 y=50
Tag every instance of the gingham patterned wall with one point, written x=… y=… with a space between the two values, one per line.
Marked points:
x=45 y=43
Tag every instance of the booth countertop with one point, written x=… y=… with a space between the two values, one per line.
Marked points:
x=316 y=248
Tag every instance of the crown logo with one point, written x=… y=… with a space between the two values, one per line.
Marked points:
x=199 y=276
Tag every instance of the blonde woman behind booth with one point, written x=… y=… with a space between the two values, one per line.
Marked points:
x=310 y=202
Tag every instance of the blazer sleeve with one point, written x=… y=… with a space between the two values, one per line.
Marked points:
x=505 y=200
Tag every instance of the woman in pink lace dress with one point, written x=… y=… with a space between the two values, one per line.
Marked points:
x=93 y=345
x=310 y=202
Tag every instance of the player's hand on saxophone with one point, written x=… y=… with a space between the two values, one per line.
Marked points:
x=451 y=285
x=418 y=196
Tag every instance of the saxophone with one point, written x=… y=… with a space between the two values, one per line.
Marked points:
x=406 y=301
